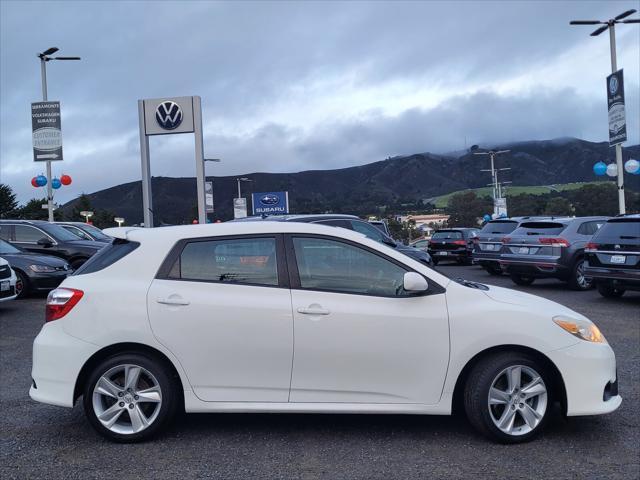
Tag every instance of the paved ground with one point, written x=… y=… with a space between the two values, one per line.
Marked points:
x=39 y=441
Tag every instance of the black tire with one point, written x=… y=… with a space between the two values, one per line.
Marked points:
x=492 y=270
x=476 y=397
x=169 y=396
x=609 y=291
x=522 y=280
x=434 y=260
x=577 y=281
x=24 y=288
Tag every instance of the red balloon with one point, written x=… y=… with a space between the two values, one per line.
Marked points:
x=65 y=180
x=33 y=182
x=195 y=222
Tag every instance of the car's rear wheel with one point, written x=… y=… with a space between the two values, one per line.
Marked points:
x=22 y=284
x=522 y=279
x=129 y=397
x=578 y=280
x=507 y=397
x=609 y=291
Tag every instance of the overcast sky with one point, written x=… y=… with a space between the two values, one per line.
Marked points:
x=290 y=86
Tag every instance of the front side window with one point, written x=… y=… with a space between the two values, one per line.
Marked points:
x=339 y=267
x=250 y=261
x=28 y=234
x=4 y=232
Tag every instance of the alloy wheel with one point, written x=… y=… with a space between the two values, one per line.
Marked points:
x=583 y=281
x=127 y=399
x=517 y=400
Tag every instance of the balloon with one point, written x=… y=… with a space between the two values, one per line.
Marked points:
x=41 y=180
x=632 y=166
x=486 y=217
x=34 y=182
x=600 y=168
x=195 y=222
x=612 y=170
x=65 y=180
x=55 y=183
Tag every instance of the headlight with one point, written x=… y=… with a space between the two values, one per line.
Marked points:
x=582 y=329
x=42 y=268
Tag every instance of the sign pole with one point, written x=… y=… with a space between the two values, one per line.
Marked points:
x=614 y=66
x=43 y=73
x=197 y=130
x=147 y=205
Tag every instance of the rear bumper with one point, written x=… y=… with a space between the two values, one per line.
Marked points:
x=589 y=374
x=483 y=258
x=444 y=254
x=57 y=360
x=535 y=266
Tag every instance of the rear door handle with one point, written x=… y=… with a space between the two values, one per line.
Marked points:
x=314 y=311
x=172 y=301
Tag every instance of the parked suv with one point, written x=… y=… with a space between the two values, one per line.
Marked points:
x=486 y=251
x=47 y=238
x=350 y=222
x=453 y=244
x=551 y=248
x=613 y=256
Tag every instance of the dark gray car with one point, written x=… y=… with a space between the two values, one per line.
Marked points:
x=549 y=248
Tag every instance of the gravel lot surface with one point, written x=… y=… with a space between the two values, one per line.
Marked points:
x=40 y=441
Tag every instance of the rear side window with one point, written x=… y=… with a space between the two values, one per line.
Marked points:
x=499 y=227
x=540 y=228
x=589 y=228
x=447 y=235
x=4 y=232
x=28 y=234
x=247 y=260
x=107 y=255
x=620 y=229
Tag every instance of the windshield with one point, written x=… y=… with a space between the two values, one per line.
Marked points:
x=95 y=232
x=447 y=235
x=620 y=229
x=59 y=233
x=499 y=227
x=7 y=248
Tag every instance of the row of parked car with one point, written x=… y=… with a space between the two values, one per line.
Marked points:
x=37 y=255
x=582 y=251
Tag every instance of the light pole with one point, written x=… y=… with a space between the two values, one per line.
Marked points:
x=206 y=213
x=611 y=26
x=44 y=58
x=119 y=220
x=242 y=179
x=494 y=171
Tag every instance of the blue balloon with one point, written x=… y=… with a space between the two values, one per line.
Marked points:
x=600 y=168
x=55 y=183
x=486 y=217
x=41 y=180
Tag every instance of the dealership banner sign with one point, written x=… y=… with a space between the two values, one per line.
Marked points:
x=615 y=101
x=270 y=203
x=46 y=131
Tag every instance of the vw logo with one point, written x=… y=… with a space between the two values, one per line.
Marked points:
x=169 y=115
x=613 y=85
x=269 y=199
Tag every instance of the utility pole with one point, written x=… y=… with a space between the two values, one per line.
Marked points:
x=496 y=193
x=44 y=58
x=611 y=26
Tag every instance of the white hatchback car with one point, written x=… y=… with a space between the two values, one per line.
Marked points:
x=297 y=317
x=8 y=281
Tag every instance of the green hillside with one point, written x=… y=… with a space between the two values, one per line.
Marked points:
x=443 y=200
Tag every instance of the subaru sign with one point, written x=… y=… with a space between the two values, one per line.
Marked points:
x=270 y=203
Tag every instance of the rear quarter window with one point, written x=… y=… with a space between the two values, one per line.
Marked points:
x=106 y=256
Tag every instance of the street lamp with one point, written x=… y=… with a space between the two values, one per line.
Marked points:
x=119 y=221
x=242 y=179
x=87 y=215
x=44 y=58
x=611 y=26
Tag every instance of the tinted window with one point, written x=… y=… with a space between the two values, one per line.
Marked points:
x=421 y=244
x=620 y=229
x=4 y=232
x=368 y=230
x=7 y=248
x=340 y=267
x=28 y=234
x=77 y=232
x=335 y=223
x=447 y=235
x=107 y=255
x=59 y=233
x=95 y=232
x=247 y=260
x=540 y=228
x=589 y=228
x=499 y=227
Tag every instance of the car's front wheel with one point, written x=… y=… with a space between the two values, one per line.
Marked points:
x=129 y=397
x=22 y=284
x=578 y=280
x=609 y=291
x=507 y=397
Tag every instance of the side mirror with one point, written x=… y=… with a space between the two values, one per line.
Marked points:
x=45 y=242
x=414 y=282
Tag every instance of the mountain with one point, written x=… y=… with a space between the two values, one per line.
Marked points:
x=363 y=189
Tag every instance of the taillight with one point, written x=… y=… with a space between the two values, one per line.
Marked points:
x=554 y=241
x=60 y=302
x=591 y=247
x=459 y=242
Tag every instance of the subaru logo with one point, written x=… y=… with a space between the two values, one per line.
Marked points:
x=169 y=115
x=269 y=199
x=613 y=85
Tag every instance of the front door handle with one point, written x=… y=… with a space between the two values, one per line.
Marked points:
x=172 y=301
x=314 y=310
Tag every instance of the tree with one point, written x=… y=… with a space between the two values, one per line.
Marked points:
x=558 y=207
x=8 y=202
x=83 y=204
x=600 y=199
x=466 y=208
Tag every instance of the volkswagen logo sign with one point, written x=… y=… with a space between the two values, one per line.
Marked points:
x=613 y=85
x=269 y=199
x=169 y=115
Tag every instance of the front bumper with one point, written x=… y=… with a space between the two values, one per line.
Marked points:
x=47 y=281
x=57 y=360
x=589 y=374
